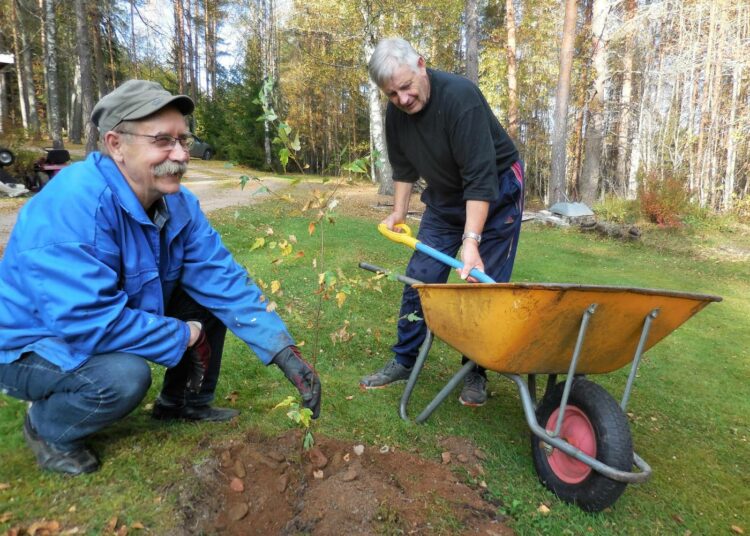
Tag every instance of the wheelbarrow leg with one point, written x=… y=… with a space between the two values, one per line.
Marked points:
x=444 y=392
x=421 y=357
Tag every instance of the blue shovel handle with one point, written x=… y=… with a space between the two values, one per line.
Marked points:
x=405 y=237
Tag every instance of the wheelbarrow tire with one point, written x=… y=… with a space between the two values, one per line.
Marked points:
x=597 y=425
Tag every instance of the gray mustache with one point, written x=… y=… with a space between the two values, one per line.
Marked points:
x=170 y=167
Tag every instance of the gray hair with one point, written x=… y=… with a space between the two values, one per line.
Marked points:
x=123 y=126
x=388 y=55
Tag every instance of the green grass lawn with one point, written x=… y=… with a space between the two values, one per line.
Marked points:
x=688 y=412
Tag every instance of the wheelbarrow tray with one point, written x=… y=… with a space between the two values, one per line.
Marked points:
x=532 y=328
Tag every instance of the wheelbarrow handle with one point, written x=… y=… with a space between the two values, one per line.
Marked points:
x=405 y=237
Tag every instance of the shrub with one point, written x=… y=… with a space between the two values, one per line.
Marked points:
x=617 y=210
x=663 y=201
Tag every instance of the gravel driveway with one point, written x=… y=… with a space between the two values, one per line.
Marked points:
x=216 y=184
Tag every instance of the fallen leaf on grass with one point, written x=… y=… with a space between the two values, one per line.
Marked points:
x=543 y=509
x=350 y=397
x=232 y=397
x=359 y=450
x=737 y=529
x=271 y=306
x=5 y=517
x=137 y=526
x=111 y=524
x=43 y=527
x=4 y=485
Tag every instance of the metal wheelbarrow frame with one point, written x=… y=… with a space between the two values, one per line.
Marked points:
x=580 y=436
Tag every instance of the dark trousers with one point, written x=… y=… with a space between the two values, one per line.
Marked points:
x=69 y=406
x=441 y=228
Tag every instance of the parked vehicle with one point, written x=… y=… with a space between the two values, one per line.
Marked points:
x=201 y=149
x=47 y=167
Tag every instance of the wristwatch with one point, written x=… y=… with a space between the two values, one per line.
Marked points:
x=473 y=236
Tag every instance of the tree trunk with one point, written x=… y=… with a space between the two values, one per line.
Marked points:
x=53 y=102
x=26 y=76
x=17 y=27
x=179 y=45
x=623 y=127
x=556 y=191
x=510 y=49
x=4 y=100
x=729 y=176
x=87 y=74
x=96 y=35
x=472 y=40
x=75 y=114
x=590 y=176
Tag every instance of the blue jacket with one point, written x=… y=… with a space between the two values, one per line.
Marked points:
x=86 y=272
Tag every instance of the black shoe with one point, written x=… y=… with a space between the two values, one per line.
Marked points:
x=73 y=462
x=192 y=413
x=474 y=393
x=392 y=372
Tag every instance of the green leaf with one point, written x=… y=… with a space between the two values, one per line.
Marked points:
x=244 y=179
x=309 y=441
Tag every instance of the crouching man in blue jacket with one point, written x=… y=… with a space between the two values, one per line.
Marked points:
x=112 y=265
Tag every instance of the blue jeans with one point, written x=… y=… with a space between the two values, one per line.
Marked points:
x=69 y=406
x=441 y=228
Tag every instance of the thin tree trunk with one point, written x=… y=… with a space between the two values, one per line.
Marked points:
x=96 y=34
x=729 y=176
x=704 y=105
x=110 y=32
x=17 y=27
x=87 y=74
x=472 y=40
x=53 y=104
x=556 y=191
x=179 y=44
x=623 y=127
x=75 y=114
x=510 y=50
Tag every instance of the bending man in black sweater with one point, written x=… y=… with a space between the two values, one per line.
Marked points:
x=440 y=127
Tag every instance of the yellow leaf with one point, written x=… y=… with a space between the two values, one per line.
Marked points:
x=311 y=228
x=259 y=243
x=340 y=299
x=286 y=249
x=271 y=306
x=137 y=526
x=300 y=344
x=275 y=286
x=285 y=403
x=321 y=278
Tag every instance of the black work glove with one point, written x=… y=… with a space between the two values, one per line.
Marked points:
x=199 y=356
x=302 y=376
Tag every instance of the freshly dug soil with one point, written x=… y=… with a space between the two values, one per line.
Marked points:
x=269 y=486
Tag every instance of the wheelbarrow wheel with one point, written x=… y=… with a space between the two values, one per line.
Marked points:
x=595 y=424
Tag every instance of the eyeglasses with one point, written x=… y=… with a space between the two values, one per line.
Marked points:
x=165 y=141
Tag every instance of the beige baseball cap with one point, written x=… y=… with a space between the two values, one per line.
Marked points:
x=136 y=99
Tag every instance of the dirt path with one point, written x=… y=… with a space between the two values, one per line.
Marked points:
x=216 y=185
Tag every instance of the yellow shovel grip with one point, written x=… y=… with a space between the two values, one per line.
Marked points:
x=404 y=237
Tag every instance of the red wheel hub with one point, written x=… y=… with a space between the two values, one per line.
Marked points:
x=578 y=431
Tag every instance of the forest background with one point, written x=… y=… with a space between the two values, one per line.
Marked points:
x=642 y=101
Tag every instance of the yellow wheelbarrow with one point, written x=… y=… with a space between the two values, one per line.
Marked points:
x=580 y=437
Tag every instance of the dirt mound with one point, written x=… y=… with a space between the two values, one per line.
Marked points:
x=270 y=486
